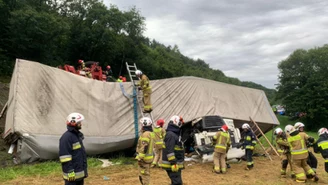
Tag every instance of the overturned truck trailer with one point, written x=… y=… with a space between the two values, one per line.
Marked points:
x=41 y=97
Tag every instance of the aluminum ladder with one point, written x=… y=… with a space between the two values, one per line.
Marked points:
x=135 y=80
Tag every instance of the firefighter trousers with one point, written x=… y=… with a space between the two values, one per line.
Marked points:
x=146 y=100
x=326 y=165
x=144 y=173
x=312 y=161
x=249 y=158
x=175 y=177
x=285 y=160
x=158 y=157
x=220 y=162
x=80 y=182
x=300 y=166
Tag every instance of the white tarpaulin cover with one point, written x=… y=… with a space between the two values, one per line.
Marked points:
x=41 y=97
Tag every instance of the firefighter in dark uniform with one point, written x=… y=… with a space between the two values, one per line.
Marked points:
x=173 y=153
x=249 y=142
x=322 y=145
x=72 y=153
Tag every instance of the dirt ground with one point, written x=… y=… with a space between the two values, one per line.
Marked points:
x=264 y=172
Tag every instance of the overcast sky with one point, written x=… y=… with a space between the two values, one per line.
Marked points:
x=244 y=38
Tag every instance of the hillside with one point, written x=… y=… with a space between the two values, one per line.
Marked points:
x=4 y=90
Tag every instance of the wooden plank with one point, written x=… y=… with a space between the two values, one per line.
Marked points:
x=4 y=109
x=274 y=149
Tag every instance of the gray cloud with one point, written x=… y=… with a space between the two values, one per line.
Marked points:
x=244 y=39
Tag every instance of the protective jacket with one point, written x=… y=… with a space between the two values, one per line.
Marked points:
x=297 y=143
x=145 y=146
x=282 y=144
x=322 y=146
x=222 y=141
x=144 y=83
x=173 y=153
x=72 y=154
x=159 y=136
x=249 y=140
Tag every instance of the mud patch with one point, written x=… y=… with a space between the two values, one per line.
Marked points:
x=44 y=98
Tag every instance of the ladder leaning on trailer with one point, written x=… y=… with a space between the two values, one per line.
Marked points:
x=258 y=132
x=135 y=80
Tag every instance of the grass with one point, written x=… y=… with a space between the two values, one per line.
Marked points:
x=41 y=169
x=284 y=120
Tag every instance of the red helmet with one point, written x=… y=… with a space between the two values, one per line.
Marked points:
x=81 y=61
x=160 y=123
x=108 y=67
x=224 y=128
x=181 y=120
x=121 y=77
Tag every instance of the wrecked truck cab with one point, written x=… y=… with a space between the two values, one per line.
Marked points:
x=197 y=136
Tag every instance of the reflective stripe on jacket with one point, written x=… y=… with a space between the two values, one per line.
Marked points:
x=144 y=83
x=72 y=154
x=322 y=146
x=222 y=141
x=173 y=152
x=297 y=142
x=249 y=140
x=282 y=144
x=145 y=147
x=159 y=136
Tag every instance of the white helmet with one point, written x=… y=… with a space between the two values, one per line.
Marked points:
x=176 y=120
x=74 y=118
x=245 y=126
x=146 y=121
x=322 y=131
x=138 y=72
x=277 y=131
x=289 y=129
x=298 y=125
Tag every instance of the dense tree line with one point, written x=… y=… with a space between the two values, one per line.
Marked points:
x=55 y=32
x=303 y=85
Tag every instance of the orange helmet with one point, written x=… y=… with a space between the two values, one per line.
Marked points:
x=160 y=123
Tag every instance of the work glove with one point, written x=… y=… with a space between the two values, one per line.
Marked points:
x=71 y=176
x=311 y=140
x=175 y=168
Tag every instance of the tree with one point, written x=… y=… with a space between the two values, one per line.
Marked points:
x=303 y=84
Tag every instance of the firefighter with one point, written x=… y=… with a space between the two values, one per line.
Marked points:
x=146 y=90
x=173 y=153
x=108 y=73
x=312 y=160
x=72 y=154
x=222 y=143
x=322 y=145
x=283 y=150
x=299 y=152
x=249 y=142
x=145 y=150
x=119 y=79
x=85 y=69
x=159 y=133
